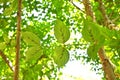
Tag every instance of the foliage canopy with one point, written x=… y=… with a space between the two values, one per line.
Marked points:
x=46 y=36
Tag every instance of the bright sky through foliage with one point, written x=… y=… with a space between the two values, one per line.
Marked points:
x=75 y=70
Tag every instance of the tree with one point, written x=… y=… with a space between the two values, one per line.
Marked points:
x=45 y=27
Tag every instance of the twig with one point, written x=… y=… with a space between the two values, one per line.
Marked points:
x=102 y=9
x=41 y=57
x=115 y=19
x=108 y=23
x=16 y=73
x=8 y=62
x=77 y=6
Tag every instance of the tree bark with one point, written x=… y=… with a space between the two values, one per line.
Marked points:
x=88 y=9
x=107 y=67
x=16 y=73
x=8 y=62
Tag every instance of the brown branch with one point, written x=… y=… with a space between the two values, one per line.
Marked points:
x=110 y=75
x=102 y=9
x=8 y=62
x=107 y=67
x=107 y=22
x=16 y=73
x=88 y=9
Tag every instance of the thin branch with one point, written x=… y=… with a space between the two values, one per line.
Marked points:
x=16 y=73
x=107 y=22
x=102 y=9
x=77 y=6
x=115 y=19
x=8 y=62
x=40 y=58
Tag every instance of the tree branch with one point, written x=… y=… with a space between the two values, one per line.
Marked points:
x=107 y=22
x=102 y=9
x=107 y=67
x=16 y=73
x=8 y=62
x=77 y=6
x=88 y=9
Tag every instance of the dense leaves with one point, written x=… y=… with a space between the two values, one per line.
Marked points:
x=44 y=22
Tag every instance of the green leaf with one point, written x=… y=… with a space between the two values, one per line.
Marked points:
x=118 y=50
x=33 y=53
x=92 y=51
x=60 y=56
x=61 y=32
x=38 y=66
x=30 y=38
x=108 y=34
x=1 y=32
x=91 y=33
x=11 y=8
x=2 y=45
x=27 y=75
x=4 y=23
x=13 y=42
x=4 y=1
x=86 y=34
x=6 y=39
